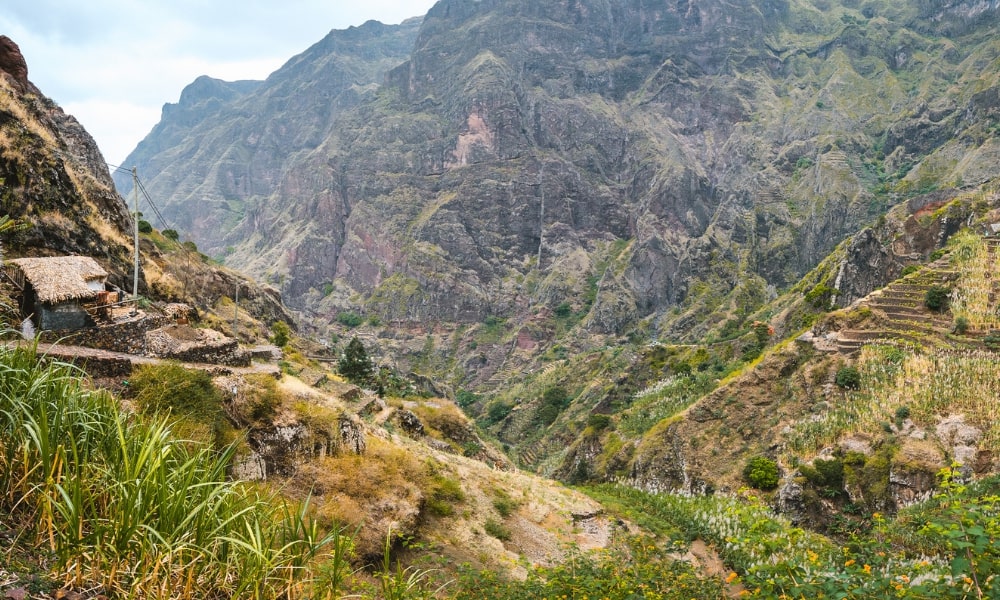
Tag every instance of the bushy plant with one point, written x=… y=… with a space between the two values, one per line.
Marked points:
x=820 y=295
x=761 y=473
x=827 y=475
x=497 y=530
x=936 y=297
x=187 y=395
x=848 y=378
x=961 y=325
x=350 y=319
x=171 y=234
x=554 y=400
x=598 y=422
x=281 y=333
x=465 y=398
x=144 y=226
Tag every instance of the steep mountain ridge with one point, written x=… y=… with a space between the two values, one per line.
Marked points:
x=222 y=161
x=495 y=169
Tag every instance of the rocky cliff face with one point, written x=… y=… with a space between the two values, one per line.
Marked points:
x=662 y=166
x=53 y=176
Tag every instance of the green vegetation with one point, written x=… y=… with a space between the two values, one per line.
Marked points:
x=122 y=504
x=497 y=530
x=355 y=364
x=145 y=227
x=171 y=234
x=820 y=295
x=350 y=319
x=554 y=400
x=848 y=378
x=761 y=473
x=281 y=334
x=635 y=567
x=936 y=298
x=948 y=547
x=186 y=396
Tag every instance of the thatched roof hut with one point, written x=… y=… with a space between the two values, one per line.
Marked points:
x=60 y=279
x=55 y=291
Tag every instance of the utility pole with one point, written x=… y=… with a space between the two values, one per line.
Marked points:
x=135 y=223
x=236 y=313
x=541 y=215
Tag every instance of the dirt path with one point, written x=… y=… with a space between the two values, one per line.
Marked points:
x=75 y=354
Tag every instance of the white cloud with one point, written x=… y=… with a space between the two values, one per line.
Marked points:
x=114 y=63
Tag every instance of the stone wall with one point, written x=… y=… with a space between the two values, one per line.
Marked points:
x=95 y=366
x=128 y=336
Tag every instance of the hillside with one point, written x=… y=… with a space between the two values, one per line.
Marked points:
x=822 y=464
x=573 y=197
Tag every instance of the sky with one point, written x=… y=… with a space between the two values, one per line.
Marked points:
x=113 y=63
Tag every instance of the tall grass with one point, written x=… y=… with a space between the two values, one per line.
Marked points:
x=124 y=505
x=974 y=295
x=929 y=386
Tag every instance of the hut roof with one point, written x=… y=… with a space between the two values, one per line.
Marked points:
x=61 y=278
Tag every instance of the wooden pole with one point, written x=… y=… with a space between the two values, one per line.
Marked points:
x=135 y=271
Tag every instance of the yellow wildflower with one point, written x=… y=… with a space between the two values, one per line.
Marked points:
x=732 y=577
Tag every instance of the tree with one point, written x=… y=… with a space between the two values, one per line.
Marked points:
x=355 y=365
x=280 y=333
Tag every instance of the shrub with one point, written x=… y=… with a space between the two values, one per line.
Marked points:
x=819 y=297
x=280 y=333
x=497 y=412
x=992 y=340
x=849 y=378
x=145 y=227
x=908 y=269
x=445 y=492
x=598 y=422
x=554 y=400
x=936 y=298
x=465 y=398
x=186 y=395
x=563 y=310
x=497 y=530
x=761 y=473
x=825 y=474
x=171 y=234
x=961 y=325
x=350 y=319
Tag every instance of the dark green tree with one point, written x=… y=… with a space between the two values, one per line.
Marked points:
x=280 y=333
x=355 y=365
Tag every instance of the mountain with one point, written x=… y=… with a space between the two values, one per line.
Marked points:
x=541 y=188
x=660 y=167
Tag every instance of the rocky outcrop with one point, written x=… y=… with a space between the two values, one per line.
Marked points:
x=12 y=64
x=188 y=344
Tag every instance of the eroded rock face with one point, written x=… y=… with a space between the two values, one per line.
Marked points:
x=523 y=139
x=12 y=62
x=55 y=179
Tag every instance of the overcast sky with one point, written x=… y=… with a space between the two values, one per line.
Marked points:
x=114 y=63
